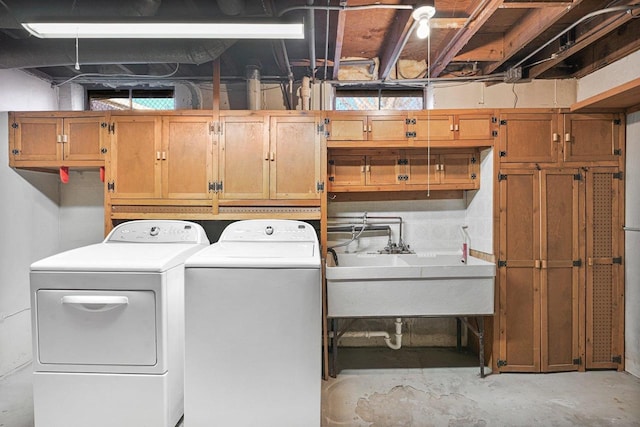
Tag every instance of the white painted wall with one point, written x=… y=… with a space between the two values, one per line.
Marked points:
x=632 y=247
x=28 y=220
x=616 y=74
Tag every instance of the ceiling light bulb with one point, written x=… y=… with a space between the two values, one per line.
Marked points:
x=426 y=12
x=423 y=29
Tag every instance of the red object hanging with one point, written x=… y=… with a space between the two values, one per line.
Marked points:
x=102 y=173
x=64 y=174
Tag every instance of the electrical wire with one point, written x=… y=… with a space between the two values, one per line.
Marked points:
x=137 y=76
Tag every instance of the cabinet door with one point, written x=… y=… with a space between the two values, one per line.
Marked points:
x=387 y=128
x=244 y=157
x=434 y=127
x=187 y=160
x=474 y=126
x=383 y=169
x=347 y=128
x=37 y=138
x=346 y=170
x=422 y=169
x=529 y=138
x=605 y=287
x=519 y=293
x=458 y=168
x=85 y=137
x=295 y=165
x=591 y=137
x=136 y=154
x=559 y=286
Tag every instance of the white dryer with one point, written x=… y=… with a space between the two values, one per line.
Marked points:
x=108 y=328
x=253 y=327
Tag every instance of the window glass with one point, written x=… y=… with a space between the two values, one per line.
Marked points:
x=383 y=100
x=131 y=99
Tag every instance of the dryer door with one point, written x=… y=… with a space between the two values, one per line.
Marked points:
x=96 y=327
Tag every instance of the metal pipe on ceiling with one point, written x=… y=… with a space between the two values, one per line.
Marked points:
x=312 y=40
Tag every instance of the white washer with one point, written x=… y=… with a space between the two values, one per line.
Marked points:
x=253 y=327
x=108 y=328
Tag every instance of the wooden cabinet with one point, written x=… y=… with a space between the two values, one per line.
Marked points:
x=539 y=270
x=592 y=137
x=156 y=157
x=52 y=139
x=371 y=126
x=560 y=139
x=435 y=126
x=273 y=157
x=395 y=170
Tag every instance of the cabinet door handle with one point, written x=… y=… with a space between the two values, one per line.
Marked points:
x=58 y=138
x=65 y=138
x=157 y=155
x=368 y=168
x=266 y=156
x=536 y=263
x=164 y=155
x=362 y=169
x=567 y=137
x=556 y=137
x=543 y=263
x=272 y=156
x=364 y=128
x=457 y=128
x=451 y=127
x=369 y=128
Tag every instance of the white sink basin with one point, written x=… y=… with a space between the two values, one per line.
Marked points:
x=372 y=285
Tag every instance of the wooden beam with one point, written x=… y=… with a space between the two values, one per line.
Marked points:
x=395 y=40
x=446 y=23
x=520 y=35
x=483 y=48
x=597 y=32
x=216 y=84
x=535 y=4
x=484 y=11
x=342 y=19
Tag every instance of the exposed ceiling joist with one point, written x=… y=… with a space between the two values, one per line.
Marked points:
x=520 y=35
x=484 y=11
x=395 y=41
x=340 y=26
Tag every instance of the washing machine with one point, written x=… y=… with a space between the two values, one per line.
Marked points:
x=253 y=327
x=108 y=328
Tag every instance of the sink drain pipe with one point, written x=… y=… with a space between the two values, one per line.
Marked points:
x=373 y=334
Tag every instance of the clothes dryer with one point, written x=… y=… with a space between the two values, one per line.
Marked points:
x=108 y=328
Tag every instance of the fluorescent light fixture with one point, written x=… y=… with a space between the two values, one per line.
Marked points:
x=157 y=30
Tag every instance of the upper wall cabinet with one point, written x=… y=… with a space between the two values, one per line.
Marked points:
x=366 y=126
x=435 y=126
x=561 y=139
x=57 y=139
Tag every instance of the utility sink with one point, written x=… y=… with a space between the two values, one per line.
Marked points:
x=405 y=285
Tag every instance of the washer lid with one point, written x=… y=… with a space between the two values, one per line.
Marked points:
x=257 y=255
x=147 y=257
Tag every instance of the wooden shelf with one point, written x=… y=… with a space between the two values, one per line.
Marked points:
x=624 y=97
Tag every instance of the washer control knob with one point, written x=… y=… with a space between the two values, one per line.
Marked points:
x=154 y=231
x=268 y=230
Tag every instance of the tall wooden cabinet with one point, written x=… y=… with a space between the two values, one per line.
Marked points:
x=559 y=230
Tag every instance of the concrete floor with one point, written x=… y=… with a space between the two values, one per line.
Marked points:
x=378 y=387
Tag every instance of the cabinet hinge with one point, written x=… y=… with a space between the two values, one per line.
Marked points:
x=320 y=129
x=617 y=152
x=617 y=175
x=411 y=121
x=332 y=162
x=332 y=178
x=219 y=187
x=15 y=152
x=473 y=160
x=494 y=133
x=212 y=128
x=112 y=128
x=616 y=359
x=502 y=177
x=111 y=186
x=502 y=263
x=577 y=177
x=320 y=187
x=503 y=154
x=577 y=361
x=212 y=187
x=473 y=176
x=501 y=363
x=577 y=263
x=617 y=260
x=103 y=125
x=403 y=161
x=403 y=177
x=494 y=119
x=410 y=134
x=503 y=122
x=617 y=122
x=14 y=125
x=103 y=150
x=327 y=120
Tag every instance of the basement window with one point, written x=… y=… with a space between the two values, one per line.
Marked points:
x=379 y=100
x=131 y=99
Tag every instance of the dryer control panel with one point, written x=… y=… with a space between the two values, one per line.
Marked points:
x=265 y=230
x=159 y=231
